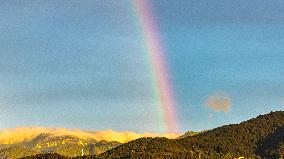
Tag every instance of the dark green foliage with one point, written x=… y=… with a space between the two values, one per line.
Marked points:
x=16 y=152
x=86 y=157
x=145 y=147
x=46 y=156
x=241 y=139
x=244 y=139
x=57 y=156
x=272 y=145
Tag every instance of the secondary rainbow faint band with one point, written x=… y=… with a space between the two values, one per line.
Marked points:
x=164 y=94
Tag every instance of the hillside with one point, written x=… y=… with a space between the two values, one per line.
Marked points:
x=69 y=146
x=259 y=137
x=47 y=156
x=16 y=152
x=19 y=142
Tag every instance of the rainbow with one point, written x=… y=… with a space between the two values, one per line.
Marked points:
x=160 y=74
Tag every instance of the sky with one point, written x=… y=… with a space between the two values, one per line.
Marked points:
x=82 y=64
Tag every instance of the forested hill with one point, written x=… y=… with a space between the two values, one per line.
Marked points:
x=262 y=136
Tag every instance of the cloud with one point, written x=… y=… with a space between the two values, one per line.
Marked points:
x=219 y=102
x=24 y=134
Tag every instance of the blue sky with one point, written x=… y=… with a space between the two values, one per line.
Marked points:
x=81 y=64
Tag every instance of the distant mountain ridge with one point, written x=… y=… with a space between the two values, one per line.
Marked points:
x=26 y=141
x=23 y=134
x=69 y=146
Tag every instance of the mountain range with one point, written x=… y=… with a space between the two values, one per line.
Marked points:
x=27 y=141
x=260 y=137
x=69 y=146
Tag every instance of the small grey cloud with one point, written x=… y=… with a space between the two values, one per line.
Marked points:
x=218 y=102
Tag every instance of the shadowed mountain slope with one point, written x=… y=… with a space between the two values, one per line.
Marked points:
x=250 y=139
